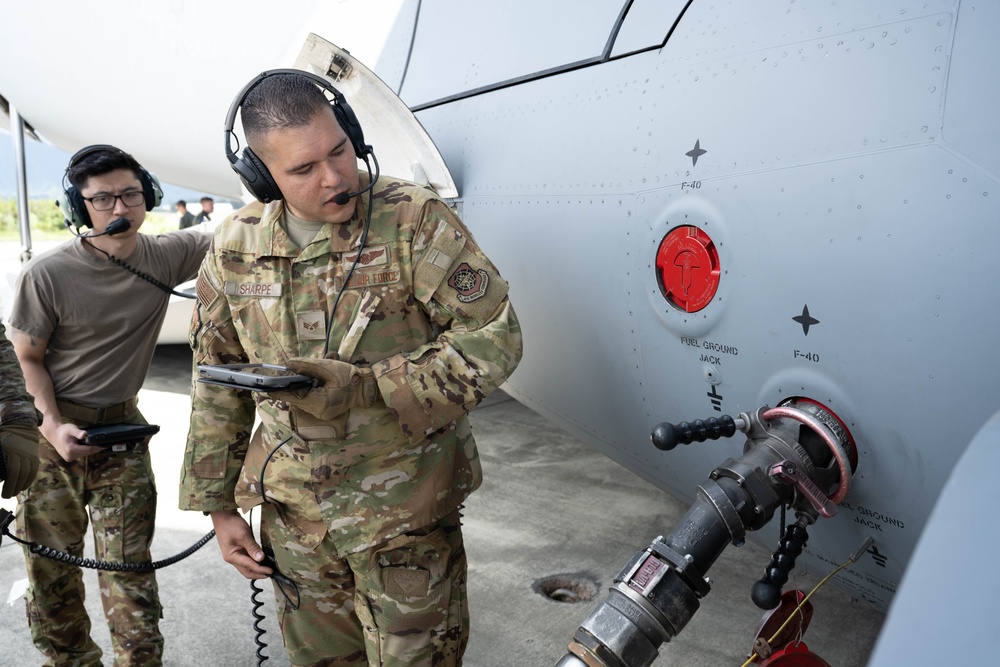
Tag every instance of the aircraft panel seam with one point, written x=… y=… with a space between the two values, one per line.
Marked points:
x=961 y=156
x=807 y=40
x=605 y=57
x=942 y=118
x=409 y=51
x=616 y=28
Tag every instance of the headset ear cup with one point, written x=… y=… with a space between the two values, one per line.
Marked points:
x=73 y=208
x=352 y=128
x=151 y=189
x=255 y=176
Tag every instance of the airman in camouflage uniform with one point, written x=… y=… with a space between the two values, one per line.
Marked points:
x=360 y=480
x=18 y=424
x=84 y=330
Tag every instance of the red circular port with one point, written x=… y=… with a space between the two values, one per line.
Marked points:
x=688 y=268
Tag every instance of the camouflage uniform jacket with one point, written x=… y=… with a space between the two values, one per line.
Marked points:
x=16 y=403
x=424 y=308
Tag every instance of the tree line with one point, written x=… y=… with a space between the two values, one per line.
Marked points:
x=46 y=220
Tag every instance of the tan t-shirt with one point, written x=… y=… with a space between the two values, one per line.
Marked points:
x=101 y=321
x=301 y=231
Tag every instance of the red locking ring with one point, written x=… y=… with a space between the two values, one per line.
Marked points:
x=828 y=437
x=688 y=268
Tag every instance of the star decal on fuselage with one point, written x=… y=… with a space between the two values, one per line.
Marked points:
x=806 y=320
x=696 y=152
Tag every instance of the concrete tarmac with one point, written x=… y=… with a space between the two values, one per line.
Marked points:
x=550 y=506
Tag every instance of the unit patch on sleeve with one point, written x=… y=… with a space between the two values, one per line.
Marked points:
x=470 y=283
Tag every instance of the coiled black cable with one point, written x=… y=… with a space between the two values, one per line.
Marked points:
x=281 y=580
x=54 y=554
x=258 y=617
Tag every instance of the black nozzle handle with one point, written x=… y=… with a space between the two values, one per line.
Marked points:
x=666 y=436
x=766 y=593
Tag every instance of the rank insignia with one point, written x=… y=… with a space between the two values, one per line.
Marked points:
x=310 y=325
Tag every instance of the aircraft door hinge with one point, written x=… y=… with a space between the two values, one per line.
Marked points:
x=340 y=68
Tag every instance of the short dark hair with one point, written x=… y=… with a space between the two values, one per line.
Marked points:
x=181 y=202
x=100 y=162
x=207 y=199
x=280 y=101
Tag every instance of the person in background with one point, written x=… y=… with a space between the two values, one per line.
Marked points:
x=187 y=217
x=207 y=206
x=84 y=328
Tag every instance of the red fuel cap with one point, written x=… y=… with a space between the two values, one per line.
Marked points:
x=688 y=266
x=795 y=655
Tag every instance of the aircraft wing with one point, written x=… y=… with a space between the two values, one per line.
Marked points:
x=5 y=122
x=157 y=81
x=947 y=597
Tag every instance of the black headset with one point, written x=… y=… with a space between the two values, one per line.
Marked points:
x=252 y=170
x=71 y=202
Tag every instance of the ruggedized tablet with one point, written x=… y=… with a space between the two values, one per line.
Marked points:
x=119 y=437
x=254 y=377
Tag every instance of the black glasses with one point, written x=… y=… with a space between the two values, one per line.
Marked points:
x=107 y=202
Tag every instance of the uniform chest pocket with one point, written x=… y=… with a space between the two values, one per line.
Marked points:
x=364 y=311
x=267 y=333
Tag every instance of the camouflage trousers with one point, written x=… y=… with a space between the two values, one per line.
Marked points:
x=119 y=490
x=399 y=604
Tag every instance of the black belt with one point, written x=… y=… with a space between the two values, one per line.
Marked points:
x=110 y=413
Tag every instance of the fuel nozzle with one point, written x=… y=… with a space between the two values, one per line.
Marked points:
x=794 y=455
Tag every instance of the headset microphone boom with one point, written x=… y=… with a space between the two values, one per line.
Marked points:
x=116 y=226
x=343 y=197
